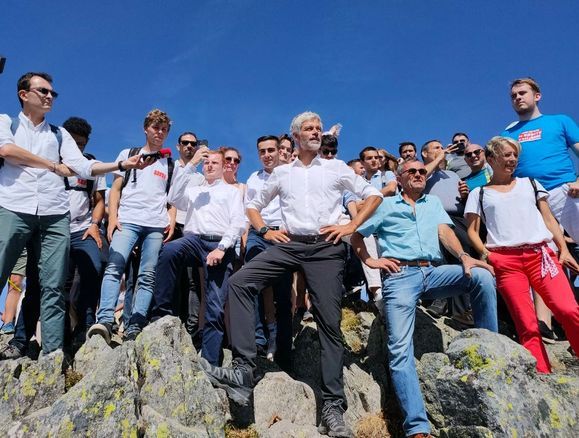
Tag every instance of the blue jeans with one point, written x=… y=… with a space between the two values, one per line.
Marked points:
x=401 y=292
x=150 y=240
x=190 y=250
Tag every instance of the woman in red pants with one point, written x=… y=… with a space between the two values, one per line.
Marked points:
x=520 y=225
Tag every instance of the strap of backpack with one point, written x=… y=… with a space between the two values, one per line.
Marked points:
x=536 y=190
x=171 y=169
x=480 y=203
x=132 y=152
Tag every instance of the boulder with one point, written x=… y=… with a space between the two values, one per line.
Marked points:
x=362 y=393
x=287 y=429
x=172 y=382
x=27 y=386
x=277 y=397
x=90 y=355
x=489 y=381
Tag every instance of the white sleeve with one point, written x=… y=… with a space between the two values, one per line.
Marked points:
x=182 y=177
x=6 y=136
x=270 y=190
x=356 y=184
x=73 y=157
x=472 y=203
x=237 y=220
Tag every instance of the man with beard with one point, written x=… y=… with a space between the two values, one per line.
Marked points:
x=310 y=191
x=546 y=141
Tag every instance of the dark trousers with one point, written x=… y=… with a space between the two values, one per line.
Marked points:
x=282 y=288
x=190 y=250
x=85 y=256
x=323 y=267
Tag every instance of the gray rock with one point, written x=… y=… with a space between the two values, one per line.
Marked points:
x=362 y=393
x=27 y=386
x=277 y=397
x=102 y=404
x=466 y=432
x=90 y=355
x=491 y=382
x=171 y=381
x=157 y=425
x=287 y=429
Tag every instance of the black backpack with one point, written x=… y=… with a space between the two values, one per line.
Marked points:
x=55 y=130
x=481 y=194
x=170 y=166
x=89 y=184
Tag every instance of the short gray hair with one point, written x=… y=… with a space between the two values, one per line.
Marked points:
x=400 y=167
x=299 y=120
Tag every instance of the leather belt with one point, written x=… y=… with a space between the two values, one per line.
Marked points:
x=420 y=263
x=210 y=237
x=308 y=238
x=271 y=228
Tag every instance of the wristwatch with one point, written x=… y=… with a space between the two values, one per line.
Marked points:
x=221 y=247
x=263 y=230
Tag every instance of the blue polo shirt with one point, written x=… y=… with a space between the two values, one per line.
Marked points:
x=404 y=235
x=546 y=143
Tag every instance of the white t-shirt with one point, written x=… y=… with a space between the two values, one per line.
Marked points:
x=511 y=218
x=144 y=202
x=80 y=213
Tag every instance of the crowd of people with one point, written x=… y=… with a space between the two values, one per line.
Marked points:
x=445 y=227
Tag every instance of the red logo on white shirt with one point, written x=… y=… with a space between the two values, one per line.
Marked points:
x=159 y=173
x=533 y=135
x=81 y=182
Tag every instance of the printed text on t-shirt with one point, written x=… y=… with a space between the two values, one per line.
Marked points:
x=159 y=173
x=533 y=135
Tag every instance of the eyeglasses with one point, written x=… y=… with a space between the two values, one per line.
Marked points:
x=329 y=151
x=471 y=154
x=414 y=171
x=232 y=159
x=45 y=92
x=188 y=143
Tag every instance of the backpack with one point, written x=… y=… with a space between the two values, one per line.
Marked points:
x=55 y=130
x=170 y=166
x=480 y=198
x=89 y=185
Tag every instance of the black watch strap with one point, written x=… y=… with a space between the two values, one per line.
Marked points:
x=263 y=230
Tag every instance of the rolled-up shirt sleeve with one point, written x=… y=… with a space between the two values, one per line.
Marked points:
x=237 y=222
x=73 y=158
x=270 y=190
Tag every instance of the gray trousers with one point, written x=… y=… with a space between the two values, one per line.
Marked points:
x=323 y=267
x=49 y=241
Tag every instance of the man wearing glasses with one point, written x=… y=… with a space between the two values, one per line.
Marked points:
x=409 y=226
x=481 y=172
x=34 y=205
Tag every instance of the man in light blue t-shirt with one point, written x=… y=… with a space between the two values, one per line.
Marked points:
x=546 y=142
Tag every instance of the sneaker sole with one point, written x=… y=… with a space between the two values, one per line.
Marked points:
x=548 y=340
x=240 y=395
x=101 y=330
x=323 y=430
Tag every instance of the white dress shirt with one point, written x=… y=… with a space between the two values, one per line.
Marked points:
x=271 y=214
x=215 y=209
x=311 y=196
x=38 y=191
x=196 y=179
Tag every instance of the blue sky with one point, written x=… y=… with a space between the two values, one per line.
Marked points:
x=232 y=71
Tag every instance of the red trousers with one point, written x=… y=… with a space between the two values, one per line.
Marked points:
x=516 y=271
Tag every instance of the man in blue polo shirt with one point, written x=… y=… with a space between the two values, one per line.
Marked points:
x=546 y=142
x=409 y=226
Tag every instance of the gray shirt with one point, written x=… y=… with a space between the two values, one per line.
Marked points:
x=444 y=185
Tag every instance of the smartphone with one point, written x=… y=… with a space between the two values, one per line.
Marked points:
x=202 y=143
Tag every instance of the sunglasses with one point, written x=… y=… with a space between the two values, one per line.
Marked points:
x=45 y=92
x=329 y=151
x=473 y=153
x=232 y=159
x=413 y=171
x=188 y=143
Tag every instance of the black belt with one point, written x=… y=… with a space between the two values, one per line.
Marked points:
x=210 y=237
x=268 y=227
x=308 y=238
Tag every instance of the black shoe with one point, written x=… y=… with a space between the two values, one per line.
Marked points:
x=546 y=333
x=332 y=423
x=437 y=309
x=105 y=330
x=131 y=336
x=237 y=380
x=11 y=352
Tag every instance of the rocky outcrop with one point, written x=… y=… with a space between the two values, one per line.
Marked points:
x=485 y=381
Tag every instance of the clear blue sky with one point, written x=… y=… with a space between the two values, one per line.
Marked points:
x=232 y=71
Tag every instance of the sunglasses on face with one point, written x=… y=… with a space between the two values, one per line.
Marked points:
x=329 y=151
x=473 y=153
x=232 y=160
x=188 y=143
x=45 y=92
x=412 y=171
